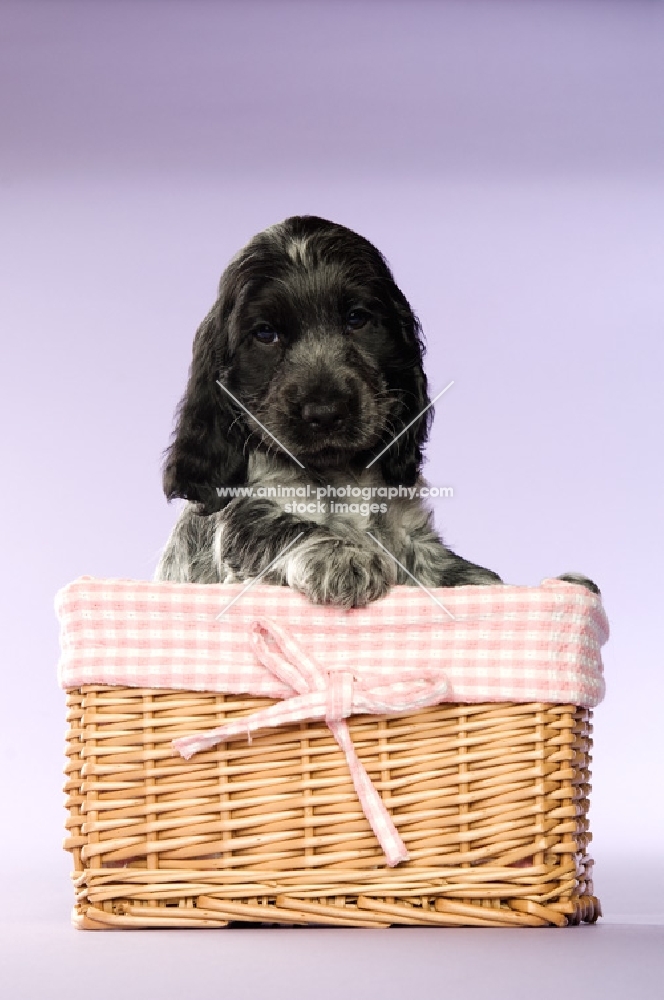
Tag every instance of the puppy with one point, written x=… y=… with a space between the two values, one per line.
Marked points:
x=306 y=402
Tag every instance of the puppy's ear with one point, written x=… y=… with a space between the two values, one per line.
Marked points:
x=401 y=463
x=207 y=447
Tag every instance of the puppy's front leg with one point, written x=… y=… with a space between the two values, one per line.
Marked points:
x=189 y=554
x=326 y=568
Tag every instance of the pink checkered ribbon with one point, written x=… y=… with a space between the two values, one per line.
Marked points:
x=333 y=696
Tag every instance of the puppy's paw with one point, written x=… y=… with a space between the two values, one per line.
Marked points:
x=582 y=580
x=339 y=573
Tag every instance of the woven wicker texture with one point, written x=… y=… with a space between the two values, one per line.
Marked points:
x=490 y=800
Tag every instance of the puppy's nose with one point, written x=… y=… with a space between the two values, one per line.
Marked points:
x=326 y=416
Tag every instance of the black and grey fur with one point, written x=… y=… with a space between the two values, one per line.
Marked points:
x=311 y=334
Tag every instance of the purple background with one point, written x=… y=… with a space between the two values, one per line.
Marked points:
x=508 y=158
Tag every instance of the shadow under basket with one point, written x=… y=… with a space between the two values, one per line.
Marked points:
x=490 y=800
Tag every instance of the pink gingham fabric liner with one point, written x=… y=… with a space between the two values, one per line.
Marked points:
x=505 y=643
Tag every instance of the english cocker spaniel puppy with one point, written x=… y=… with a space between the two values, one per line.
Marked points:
x=298 y=443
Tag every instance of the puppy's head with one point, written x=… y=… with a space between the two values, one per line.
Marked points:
x=312 y=336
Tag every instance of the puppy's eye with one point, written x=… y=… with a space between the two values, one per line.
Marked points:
x=356 y=319
x=265 y=334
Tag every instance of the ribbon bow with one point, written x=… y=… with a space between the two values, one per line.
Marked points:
x=333 y=696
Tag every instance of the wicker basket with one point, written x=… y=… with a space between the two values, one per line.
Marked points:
x=490 y=800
